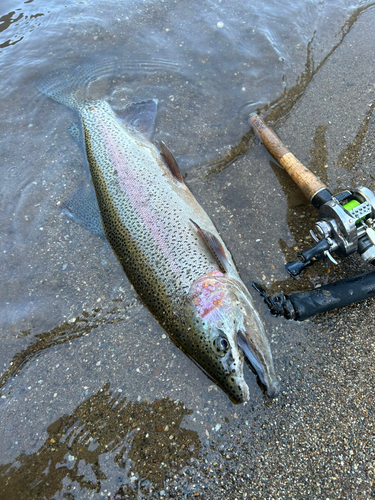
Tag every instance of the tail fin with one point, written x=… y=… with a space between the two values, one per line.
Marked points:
x=71 y=86
x=60 y=88
x=79 y=84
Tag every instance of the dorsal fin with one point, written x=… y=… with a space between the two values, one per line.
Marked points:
x=141 y=116
x=215 y=247
x=171 y=162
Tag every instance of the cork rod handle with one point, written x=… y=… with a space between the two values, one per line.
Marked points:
x=309 y=184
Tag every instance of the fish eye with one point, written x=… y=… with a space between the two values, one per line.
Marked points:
x=221 y=344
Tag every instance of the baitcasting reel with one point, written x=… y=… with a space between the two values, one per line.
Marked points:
x=347 y=219
x=346 y=226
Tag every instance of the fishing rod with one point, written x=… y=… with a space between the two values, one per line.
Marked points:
x=346 y=226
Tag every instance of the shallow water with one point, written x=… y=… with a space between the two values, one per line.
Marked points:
x=95 y=397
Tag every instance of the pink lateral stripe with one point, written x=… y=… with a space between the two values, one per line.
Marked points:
x=135 y=192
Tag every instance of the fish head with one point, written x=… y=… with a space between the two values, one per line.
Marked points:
x=230 y=328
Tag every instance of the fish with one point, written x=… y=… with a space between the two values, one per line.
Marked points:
x=168 y=246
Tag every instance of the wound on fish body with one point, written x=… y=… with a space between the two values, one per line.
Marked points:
x=168 y=246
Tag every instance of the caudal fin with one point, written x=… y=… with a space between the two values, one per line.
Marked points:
x=60 y=88
x=79 y=84
x=71 y=86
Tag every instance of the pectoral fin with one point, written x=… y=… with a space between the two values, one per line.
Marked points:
x=171 y=163
x=215 y=247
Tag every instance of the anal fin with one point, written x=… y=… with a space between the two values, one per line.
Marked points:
x=74 y=130
x=171 y=163
x=215 y=247
x=83 y=208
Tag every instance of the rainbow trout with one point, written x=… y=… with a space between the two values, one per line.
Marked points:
x=168 y=246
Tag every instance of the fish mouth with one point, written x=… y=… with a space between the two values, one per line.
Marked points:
x=265 y=371
x=239 y=390
x=234 y=382
x=273 y=390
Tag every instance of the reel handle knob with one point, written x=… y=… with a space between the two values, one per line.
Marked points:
x=307 y=257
